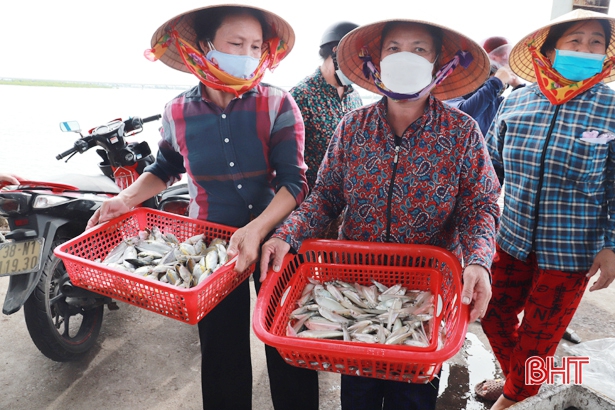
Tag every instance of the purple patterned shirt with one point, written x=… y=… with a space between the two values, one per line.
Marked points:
x=442 y=190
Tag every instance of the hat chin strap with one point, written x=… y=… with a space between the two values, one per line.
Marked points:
x=463 y=58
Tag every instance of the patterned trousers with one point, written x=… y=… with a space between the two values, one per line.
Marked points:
x=548 y=300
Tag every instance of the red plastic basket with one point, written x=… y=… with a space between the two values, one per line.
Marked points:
x=185 y=305
x=420 y=267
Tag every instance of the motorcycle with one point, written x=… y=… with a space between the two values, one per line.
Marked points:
x=64 y=320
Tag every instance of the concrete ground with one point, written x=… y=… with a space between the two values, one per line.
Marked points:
x=146 y=361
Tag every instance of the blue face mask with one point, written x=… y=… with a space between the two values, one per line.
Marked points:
x=577 y=66
x=236 y=65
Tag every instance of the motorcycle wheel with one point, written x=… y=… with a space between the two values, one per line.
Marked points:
x=62 y=332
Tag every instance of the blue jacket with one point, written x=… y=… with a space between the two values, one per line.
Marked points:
x=482 y=104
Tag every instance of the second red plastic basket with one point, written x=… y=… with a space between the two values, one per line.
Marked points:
x=418 y=267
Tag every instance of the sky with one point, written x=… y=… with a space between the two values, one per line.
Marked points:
x=104 y=41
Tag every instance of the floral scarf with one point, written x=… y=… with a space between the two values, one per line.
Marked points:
x=208 y=73
x=557 y=88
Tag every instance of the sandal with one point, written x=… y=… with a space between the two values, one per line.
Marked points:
x=571 y=336
x=489 y=390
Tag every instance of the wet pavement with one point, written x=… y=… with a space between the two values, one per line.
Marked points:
x=472 y=365
x=146 y=361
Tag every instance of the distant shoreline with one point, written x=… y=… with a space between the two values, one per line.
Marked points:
x=367 y=96
x=84 y=84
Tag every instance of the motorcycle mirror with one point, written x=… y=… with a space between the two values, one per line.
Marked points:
x=70 y=126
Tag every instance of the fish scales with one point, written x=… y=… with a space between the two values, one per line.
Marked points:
x=159 y=256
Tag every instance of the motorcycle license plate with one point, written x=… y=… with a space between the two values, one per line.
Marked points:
x=20 y=257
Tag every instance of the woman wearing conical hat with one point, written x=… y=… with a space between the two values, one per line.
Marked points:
x=407 y=169
x=240 y=144
x=553 y=143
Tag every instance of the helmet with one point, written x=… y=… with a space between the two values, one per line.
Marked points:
x=334 y=33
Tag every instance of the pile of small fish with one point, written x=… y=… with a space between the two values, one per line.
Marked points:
x=161 y=257
x=370 y=314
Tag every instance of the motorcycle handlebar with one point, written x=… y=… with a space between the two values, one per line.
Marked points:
x=136 y=123
x=66 y=153
x=86 y=143
x=152 y=118
x=81 y=145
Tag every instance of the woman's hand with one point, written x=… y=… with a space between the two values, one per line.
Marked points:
x=9 y=179
x=246 y=243
x=476 y=290
x=605 y=262
x=273 y=251
x=111 y=208
x=145 y=187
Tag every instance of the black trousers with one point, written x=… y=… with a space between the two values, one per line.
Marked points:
x=226 y=372
x=366 y=393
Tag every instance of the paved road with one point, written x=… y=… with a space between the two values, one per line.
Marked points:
x=146 y=361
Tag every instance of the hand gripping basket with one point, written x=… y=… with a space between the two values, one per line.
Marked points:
x=185 y=305
x=418 y=267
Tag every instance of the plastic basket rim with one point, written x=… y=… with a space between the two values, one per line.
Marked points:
x=134 y=212
x=390 y=353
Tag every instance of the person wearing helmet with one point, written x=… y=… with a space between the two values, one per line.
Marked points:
x=240 y=144
x=482 y=104
x=323 y=98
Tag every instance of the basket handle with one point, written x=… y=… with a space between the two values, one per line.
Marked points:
x=232 y=260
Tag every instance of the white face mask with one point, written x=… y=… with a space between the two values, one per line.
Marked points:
x=239 y=66
x=343 y=79
x=405 y=72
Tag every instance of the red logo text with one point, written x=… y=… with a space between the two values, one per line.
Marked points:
x=539 y=370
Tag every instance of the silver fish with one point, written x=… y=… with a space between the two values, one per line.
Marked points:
x=334 y=317
x=222 y=255
x=211 y=258
x=321 y=334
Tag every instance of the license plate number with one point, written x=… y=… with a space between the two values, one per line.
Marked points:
x=20 y=257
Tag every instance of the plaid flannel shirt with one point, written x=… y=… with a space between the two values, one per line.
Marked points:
x=236 y=159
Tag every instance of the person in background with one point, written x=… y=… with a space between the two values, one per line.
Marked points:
x=553 y=143
x=9 y=179
x=324 y=97
x=407 y=169
x=483 y=104
x=240 y=143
